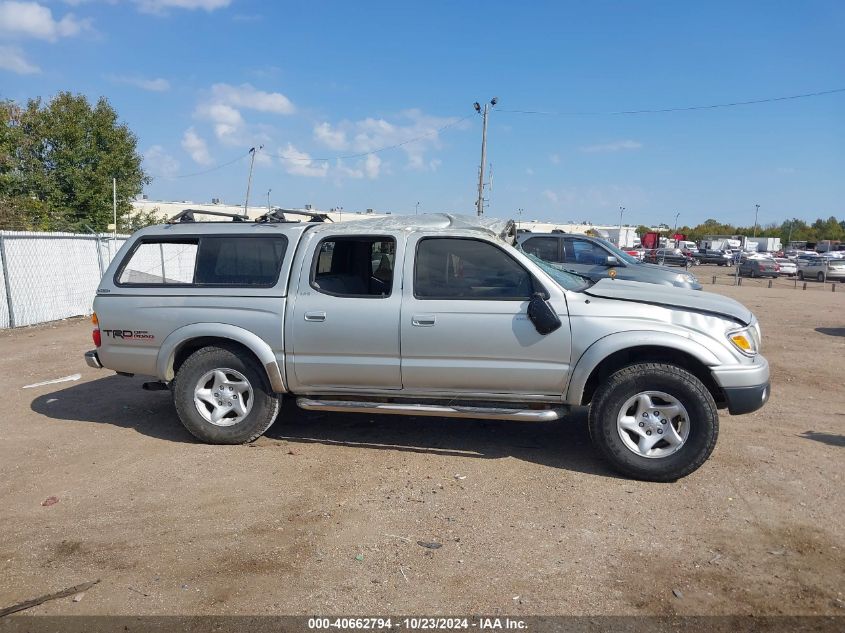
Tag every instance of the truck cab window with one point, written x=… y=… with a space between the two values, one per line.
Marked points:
x=455 y=268
x=354 y=266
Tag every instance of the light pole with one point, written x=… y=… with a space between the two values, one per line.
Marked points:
x=340 y=209
x=268 y=200
x=619 y=240
x=756 y=211
x=519 y=221
x=675 y=230
x=479 y=204
x=252 y=151
x=417 y=210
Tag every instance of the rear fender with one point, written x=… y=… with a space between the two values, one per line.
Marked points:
x=262 y=351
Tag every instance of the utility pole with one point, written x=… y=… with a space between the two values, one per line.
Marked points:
x=619 y=239
x=519 y=221
x=757 y=210
x=249 y=180
x=675 y=230
x=114 y=204
x=479 y=205
x=417 y=210
x=268 y=200
x=789 y=239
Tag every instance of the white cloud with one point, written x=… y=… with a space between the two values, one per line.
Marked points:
x=153 y=85
x=333 y=139
x=616 y=146
x=246 y=96
x=412 y=130
x=12 y=59
x=160 y=163
x=372 y=166
x=161 y=6
x=550 y=195
x=300 y=164
x=554 y=159
x=33 y=20
x=196 y=147
x=227 y=121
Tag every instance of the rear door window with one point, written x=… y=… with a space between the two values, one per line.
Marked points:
x=354 y=266
x=546 y=248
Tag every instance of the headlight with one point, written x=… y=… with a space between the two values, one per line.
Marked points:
x=745 y=340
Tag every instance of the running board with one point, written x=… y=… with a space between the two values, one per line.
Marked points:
x=393 y=408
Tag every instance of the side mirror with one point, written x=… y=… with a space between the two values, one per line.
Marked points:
x=542 y=315
x=612 y=260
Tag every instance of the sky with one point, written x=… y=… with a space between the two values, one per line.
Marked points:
x=202 y=81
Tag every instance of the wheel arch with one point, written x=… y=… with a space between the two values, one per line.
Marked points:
x=181 y=343
x=612 y=353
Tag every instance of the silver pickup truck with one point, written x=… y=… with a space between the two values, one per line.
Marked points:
x=435 y=315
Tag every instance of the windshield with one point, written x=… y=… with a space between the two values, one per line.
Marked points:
x=622 y=255
x=564 y=278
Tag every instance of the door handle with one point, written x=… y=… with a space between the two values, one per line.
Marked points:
x=423 y=320
x=317 y=317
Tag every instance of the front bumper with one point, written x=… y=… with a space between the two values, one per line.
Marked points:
x=746 y=386
x=92 y=359
x=746 y=399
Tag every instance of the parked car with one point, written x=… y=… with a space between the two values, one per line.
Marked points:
x=599 y=259
x=670 y=257
x=758 y=267
x=720 y=257
x=786 y=266
x=232 y=316
x=821 y=268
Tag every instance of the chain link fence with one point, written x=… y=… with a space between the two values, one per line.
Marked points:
x=50 y=276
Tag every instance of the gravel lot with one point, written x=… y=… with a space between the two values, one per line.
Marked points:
x=324 y=514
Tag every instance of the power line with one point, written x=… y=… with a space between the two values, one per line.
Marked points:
x=680 y=109
x=204 y=171
x=379 y=150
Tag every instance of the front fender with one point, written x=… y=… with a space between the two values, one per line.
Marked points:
x=620 y=341
x=177 y=338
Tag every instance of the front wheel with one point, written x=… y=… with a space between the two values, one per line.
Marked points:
x=222 y=396
x=800 y=275
x=654 y=421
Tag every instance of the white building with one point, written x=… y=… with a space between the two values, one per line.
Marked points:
x=166 y=209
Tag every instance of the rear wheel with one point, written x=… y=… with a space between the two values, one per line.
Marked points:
x=222 y=396
x=820 y=276
x=800 y=275
x=654 y=421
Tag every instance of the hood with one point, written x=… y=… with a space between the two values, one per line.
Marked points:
x=667 y=296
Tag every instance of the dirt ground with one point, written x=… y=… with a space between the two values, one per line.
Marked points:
x=324 y=514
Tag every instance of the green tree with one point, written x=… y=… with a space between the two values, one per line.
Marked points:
x=60 y=159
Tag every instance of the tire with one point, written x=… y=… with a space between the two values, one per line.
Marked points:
x=820 y=277
x=702 y=427
x=238 y=368
x=800 y=275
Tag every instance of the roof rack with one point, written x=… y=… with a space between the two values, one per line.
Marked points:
x=280 y=215
x=188 y=216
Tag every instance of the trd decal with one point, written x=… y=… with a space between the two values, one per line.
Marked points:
x=136 y=335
